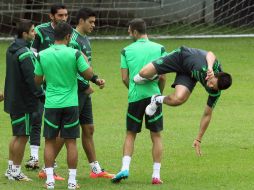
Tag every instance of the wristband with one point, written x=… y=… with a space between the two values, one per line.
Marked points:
x=94 y=78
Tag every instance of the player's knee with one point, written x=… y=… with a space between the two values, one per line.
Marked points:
x=87 y=130
x=148 y=71
x=180 y=99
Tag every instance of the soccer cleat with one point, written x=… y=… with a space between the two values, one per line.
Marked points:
x=121 y=175
x=156 y=181
x=7 y=173
x=73 y=186
x=139 y=80
x=43 y=175
x=55 y=165
x=102 y=174
x=32 y=163
x=152 y=107
x=21 y=177
x=49 y=185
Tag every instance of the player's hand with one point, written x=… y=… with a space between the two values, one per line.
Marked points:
x=209 y=74
x=89 y=90
x=100 y=83
x=1 y=96
x=196 y=145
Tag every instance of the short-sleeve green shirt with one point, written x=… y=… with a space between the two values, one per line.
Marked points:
x=134 y=57
x=59 y=64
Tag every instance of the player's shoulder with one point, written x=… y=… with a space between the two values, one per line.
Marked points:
x=43 y=26
x=155 y=44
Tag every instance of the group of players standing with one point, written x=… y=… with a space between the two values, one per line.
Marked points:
x=58 y=48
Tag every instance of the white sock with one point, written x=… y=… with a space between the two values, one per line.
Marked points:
x=34 y=151
x=156 y=170
x=16 y=169
x=10 y=164
x=95 y=167
x=72 y=176
x=126 y=163
x=160 y=99
x=50 y=176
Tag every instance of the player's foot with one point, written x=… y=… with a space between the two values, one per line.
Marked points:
x=7 y=173
x=55 y=164
x=49 y=185
x=102 y=174
x=32 y=163
x=156 y=181
x=121 y=175
x=43 y=175
x=152 y=107
x=73 y=186
x=139 y=80
x=21 y=177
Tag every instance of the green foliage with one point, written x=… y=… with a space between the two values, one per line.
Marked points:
x=227 y=161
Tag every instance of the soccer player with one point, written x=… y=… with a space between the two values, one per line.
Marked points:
x=60 y=64
x=44 y=38
x=190 y=65
x=21 y=96
x=1 y=96
x=85 y=24
x=133 y=58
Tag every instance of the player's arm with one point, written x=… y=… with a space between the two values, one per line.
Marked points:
x=162 y=82
x=124 y=69
x=205 y=120
x=204 y=123
x=27 y=69
x=36 y=42
x=210 y=59
x=1 y=96
x=125 y=77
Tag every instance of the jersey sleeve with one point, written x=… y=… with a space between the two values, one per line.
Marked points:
x=163 y=51
x=81 y=62
x=37 y=40
x=73 y=44
x=27 y=69
x=38 y=67
x=212 y=100
x=124 y=64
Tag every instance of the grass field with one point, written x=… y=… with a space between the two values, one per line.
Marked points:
x=228 y=146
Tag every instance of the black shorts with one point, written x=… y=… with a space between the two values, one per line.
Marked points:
x=136 y=112
x=174 y=63
x=63 y=120
x=185 y=80
x=85 y=109
x=21 y=124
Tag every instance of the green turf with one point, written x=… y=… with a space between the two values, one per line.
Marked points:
x=228 y=146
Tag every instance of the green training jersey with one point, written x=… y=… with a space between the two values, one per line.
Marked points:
x=82 y=43
x=44 y=38
x=134 y=57
x=59 y=65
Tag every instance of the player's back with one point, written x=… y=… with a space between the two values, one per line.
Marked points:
x=134 y=58
x=59 y=65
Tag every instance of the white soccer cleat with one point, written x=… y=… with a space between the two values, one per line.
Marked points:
x=152 y=107
x=50 y=185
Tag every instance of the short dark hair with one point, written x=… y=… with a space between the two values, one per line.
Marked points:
x=62 y=29
x=23 y=26
x=84 y=13
x=139 y=25
x=54 y=8
x=224 y=80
